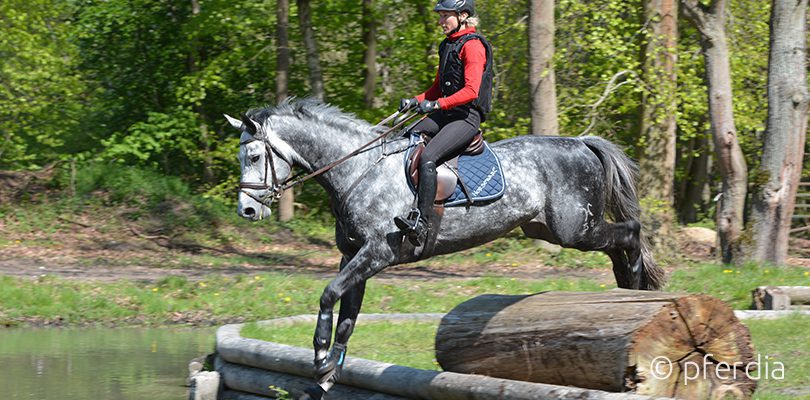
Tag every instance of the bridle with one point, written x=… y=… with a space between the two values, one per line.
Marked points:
x=271 y=184
x=274 y=188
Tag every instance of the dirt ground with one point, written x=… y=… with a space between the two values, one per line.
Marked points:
x=81 y=252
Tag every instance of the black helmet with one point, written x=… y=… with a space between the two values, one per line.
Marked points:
x=456 y=5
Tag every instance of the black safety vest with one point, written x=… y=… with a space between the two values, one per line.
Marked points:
x=451 y=71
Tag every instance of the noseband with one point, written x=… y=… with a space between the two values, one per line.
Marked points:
x=275 y=188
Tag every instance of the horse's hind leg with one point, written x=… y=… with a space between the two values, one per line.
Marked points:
x=623 y=246
x=619 y=240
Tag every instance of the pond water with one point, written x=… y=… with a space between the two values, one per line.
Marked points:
x=98 y=363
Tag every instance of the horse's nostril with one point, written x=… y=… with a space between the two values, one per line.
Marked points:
x=249 y=212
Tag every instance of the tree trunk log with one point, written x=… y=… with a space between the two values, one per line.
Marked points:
x=542 y=80
x=649 y=343
x=779 y=172
x=711 y=22
x=780 y=297
x=657 y=140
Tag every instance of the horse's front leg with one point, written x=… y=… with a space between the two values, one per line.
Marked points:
x=349 y=287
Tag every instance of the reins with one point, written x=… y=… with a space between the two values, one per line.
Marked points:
x=278 y=188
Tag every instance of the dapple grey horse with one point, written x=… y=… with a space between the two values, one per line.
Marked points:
x=559 y=189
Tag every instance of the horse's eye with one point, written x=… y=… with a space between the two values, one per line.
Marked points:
x=255 y=159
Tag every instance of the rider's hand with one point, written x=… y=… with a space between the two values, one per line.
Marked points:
x=428 y=106
x=407 y=104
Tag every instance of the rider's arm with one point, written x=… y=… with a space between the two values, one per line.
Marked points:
x=432 y=93
x=474 y=57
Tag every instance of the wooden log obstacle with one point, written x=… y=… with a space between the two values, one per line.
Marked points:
x=781 y=298
x=619 y=344
x=651 y=343
x=253 y=369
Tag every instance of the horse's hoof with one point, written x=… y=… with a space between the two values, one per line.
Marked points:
x=313 y=393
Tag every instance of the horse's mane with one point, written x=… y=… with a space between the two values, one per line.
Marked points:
x=312 y=109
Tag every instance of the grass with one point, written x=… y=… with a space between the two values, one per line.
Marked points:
x=734 y=284
x=218 y=298
x=411 y=344
x=404 y=343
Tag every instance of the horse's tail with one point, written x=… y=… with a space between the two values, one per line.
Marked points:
x=622 y=201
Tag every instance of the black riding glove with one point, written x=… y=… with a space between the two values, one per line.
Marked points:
x=428 y=106
x=407 y=104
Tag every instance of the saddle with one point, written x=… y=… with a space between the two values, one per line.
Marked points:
x=447 y=176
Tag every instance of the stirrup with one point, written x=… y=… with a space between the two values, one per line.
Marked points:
x=408 y=224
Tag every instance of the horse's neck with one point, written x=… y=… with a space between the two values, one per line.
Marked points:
x=322 y=144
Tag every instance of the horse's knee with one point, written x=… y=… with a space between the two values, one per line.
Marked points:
x=330 y=296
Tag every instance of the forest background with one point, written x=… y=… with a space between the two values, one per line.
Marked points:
x=106 y=87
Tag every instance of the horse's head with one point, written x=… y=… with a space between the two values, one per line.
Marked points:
x=265 y=169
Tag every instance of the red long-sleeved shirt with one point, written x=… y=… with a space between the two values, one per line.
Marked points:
x=474 y=58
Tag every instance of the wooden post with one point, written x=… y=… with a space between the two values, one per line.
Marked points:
x=651 y=343
x=780 y=297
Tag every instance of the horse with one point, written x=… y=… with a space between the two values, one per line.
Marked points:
x=559 y=189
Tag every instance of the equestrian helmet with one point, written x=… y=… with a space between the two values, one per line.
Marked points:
x=458 y=6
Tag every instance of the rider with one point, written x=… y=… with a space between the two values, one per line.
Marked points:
x=456 y=104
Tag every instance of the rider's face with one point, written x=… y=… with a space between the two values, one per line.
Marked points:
x=448 y=20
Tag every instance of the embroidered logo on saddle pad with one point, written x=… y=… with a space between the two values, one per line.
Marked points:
x=481 y=176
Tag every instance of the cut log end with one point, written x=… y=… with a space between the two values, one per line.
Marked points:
x=652 y=343
x=693 y=347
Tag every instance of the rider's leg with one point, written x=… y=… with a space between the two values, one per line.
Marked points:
x=451 y=140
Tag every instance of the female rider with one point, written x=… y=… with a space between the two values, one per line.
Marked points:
x=456 y=104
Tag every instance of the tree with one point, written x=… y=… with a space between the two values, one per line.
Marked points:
x=542 y=81
x=657 y=141
x=777 y=178
x=370 y=55
x=286 y=202
x=42 y=97
x=710 y=20
x=311 y=46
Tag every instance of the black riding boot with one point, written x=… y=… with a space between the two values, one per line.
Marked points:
x=420 y=221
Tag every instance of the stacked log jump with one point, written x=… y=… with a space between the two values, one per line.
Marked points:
x=252 y=369
x=612 y=345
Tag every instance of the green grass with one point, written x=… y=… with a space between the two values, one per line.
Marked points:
x=404 y=343
x=254 y=297
x=411 y=344
x=217 y=298
x=734 y=284
x=787 y=341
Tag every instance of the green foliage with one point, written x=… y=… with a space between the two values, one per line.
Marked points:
x=40 y=101
x=145 y=82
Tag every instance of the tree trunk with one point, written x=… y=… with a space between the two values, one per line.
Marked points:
x=779 y=173
x=693 y=187
x=194 y=58
x=430 y=45
x=617 y=341
x=710 y=21
x=657 y=141
x=311 y=46
x=542 y=81
x=285 y=204
x=370 y=56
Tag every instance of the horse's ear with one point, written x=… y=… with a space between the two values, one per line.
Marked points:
x=251 y=126
x=300 y=110
x=235 y=122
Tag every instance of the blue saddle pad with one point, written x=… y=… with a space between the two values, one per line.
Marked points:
x=481 y=173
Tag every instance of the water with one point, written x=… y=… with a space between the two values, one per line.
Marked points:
x=98 y=363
